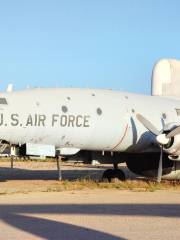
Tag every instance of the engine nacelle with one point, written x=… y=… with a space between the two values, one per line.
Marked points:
x=146 y=164
x=173 y=147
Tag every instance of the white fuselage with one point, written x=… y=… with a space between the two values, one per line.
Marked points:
x=87 y=119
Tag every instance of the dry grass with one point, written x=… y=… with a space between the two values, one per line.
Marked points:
x=134 y=185
x=27 y=159
x=85 y=182
x=11 y=187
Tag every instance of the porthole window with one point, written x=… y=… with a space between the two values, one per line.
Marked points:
x=64 y=109
x=99 y=111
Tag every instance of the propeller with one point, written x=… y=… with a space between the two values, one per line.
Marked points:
x=161 y=137
x=174 y=132
x=160 y=167
x=147 y=124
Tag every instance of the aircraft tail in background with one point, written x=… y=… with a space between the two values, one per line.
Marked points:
x=166 y=78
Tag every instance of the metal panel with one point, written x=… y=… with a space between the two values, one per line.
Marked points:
x=40 y=150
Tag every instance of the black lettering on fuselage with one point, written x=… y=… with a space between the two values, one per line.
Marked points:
x=1 y=119
x=71 y=120
x=41 y=120
x=63 y=121
x=15 y=120
x=38 y=120
x=35 y=120
x=79 y=120
x=86 y=121
x=29 y=121
x=54 y=119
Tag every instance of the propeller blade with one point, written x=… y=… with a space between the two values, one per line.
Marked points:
x=147 y=124
x=173 y=132
x=159 y=176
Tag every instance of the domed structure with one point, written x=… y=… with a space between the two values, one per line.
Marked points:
x=166 y=78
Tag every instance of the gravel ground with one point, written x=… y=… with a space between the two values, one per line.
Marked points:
x=91 y=214
x=29 y=209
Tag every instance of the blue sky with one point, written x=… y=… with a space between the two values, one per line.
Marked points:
x=96 y=43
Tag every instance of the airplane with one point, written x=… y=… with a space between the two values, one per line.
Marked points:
x=106 y=125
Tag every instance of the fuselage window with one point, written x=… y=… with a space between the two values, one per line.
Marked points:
x=3 y=101
x=178 y=111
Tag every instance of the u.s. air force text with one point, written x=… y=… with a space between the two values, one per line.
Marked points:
x=43 y=120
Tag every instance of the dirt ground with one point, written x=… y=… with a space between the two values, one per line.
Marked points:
x=35 y=176
x=91 y=214
x=35 y=205
x=42 y=176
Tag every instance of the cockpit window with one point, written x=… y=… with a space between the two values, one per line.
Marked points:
x=3 y=101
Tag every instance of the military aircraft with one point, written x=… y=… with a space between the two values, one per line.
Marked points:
x=106 y=125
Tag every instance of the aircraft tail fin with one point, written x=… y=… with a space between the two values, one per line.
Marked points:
x=166 y=78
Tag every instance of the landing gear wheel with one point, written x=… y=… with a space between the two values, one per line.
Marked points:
x=107 y=175
x=118 y=175
x=113 y=175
